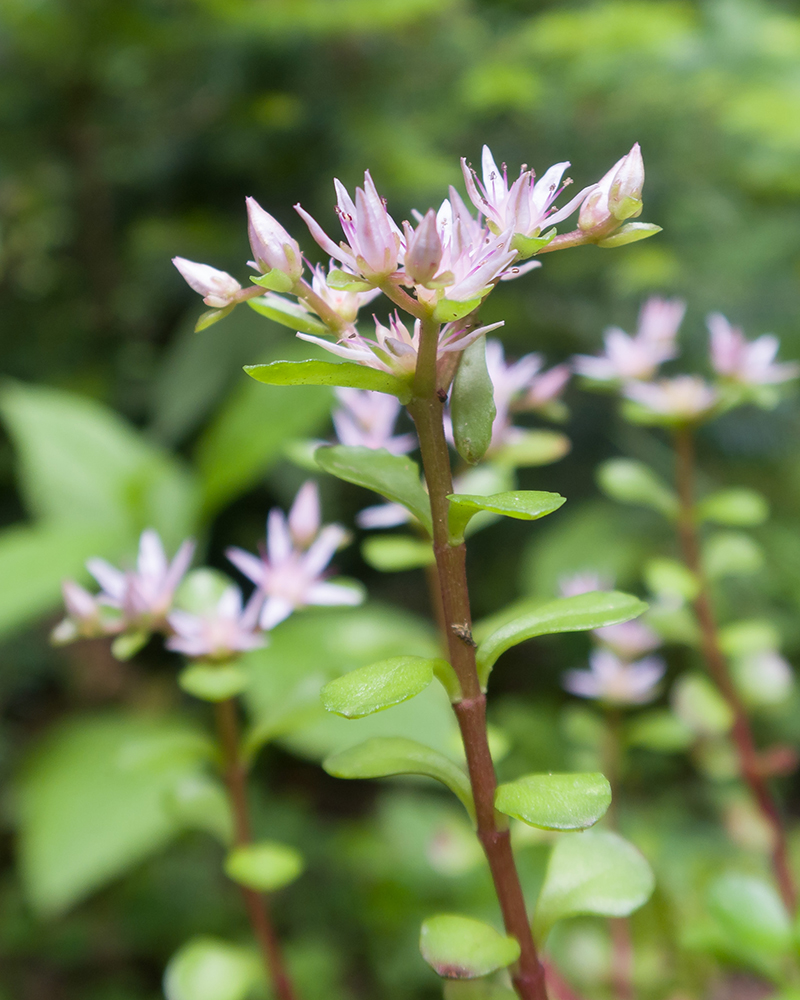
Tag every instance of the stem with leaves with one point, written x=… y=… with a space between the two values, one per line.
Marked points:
x=749 y=760
x=426 y=409
x=256 y=903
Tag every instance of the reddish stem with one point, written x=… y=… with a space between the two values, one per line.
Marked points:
x=749 y=764
x=257 y=905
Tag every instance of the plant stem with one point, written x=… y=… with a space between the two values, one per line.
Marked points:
x=427 y=412
x=257 y=905
x=749 y=763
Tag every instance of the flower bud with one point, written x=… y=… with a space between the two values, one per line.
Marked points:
x=423 y=249
x=218 y=288
x=273 y=248
x=625 y=194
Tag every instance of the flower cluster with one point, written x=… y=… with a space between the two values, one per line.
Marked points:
x=289 y=575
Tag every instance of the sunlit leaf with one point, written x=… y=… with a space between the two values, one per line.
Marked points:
x=213 y=682
x=634 y=482
x=395 y=553
x=287 y=313
x=737 y=507
x=731 y=553
x=264 y=866
x=344 y=373
x=524 y=505
x=459 y=947
x=555 y=801
x=751 y=913
x=378 y=686
x=207 y=968
x=533 y=448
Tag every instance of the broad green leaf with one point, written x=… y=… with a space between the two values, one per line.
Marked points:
x=378 y=686
x=264 y=866
x=395 y=477
x=345 y=282
x=472 y=404
x=448 y=310
x=595 y=872
x=700 y=706
x=459 y=947
x=395 y=553
x=628 y=481
x=753 y=635
x=274 y=280
x=659 y=730
x=731 y=553
x=207 y=968
x=533 y=448
x=93 y=802
x=81 y=463
x=382 y=757
x=287 y=313
x=527 y=246
x=567 y=614
x=524 y=505
x=330 y=373
x=249 y=435
x=476 y=989
x=213 y=682
x=555 y=801
x=737 y=507
x=199 y=802
x=751 y=913
x=671 y=579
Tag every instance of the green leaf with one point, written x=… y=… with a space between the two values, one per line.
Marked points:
x=264 y=866
x=628 y=481
x=199 y=802
x=93 y=802
x=700 y=706
x=274 y=280
x=395 y=553
x=384 y=756
x=447 y=310
x=476 y=989
x=555 y=801
x=343 y=281
x=631 y=233
x=200 y=590
x=597 y=872
x=213 y=682
x=731 y=553
x=533 y=448
x=210 y=317
x=345 y=373
x=472 y=404
x=737 y=507
x=659 y=730
x=207 y=968
x=462 y=948
x=524 y=505
x=378 y=686
x=751 y=913
x=567 y=614
x=669 y=578
x=127 y=645
x=287 y=313
x=395 y=477
x=527 y=246
x=753 y=635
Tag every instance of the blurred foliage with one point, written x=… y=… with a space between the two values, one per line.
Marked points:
x=132 y=131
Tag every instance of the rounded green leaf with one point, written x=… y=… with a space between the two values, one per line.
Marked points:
x=632 y=233
x=395 y=477
x=206 y=968
x=751 y=912
x=344 y=373
x=213 y=682
x=448 y=310
x=533 y=448
x=384 y=756
x=555 y=801
x=394 y=553
x=472 y=404
x=634 y=482
x=201 y=590
x=700 y=706
x=459 y=947
x=669 y=578
x=737 y=507
x=377 y=686
x=731 y=553
x=287 y=313
x=524 y=505
x=659 y=730
x=265 y=866
x=595 y=872
x=567 y=614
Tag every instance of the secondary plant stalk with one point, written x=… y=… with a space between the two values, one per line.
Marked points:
x=749 y=763
x=257 y=905
x=426 y=409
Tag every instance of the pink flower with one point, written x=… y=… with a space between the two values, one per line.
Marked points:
x=583 y=582
x=394 y=348
x=222 y=632
x=144 y=596
x=685 y=397
x=273 y=248
x=290 y=572
x=629 y=639
x=748 y=362
x=218 y=288
x=612 y=680
x=345 y=304
x=368 y=418
x=636 y=357
x=86 y=617
x=618 y=193
x=373 y=247
x=525 y=208
x=545 y=388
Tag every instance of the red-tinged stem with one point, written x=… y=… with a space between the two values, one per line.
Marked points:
x=256 y=903
x=401 y=298
x=558 y=986
x=749 y=764
x=426 y=410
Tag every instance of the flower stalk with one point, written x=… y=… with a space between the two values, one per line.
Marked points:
x=750 y=766
x=427 y=409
